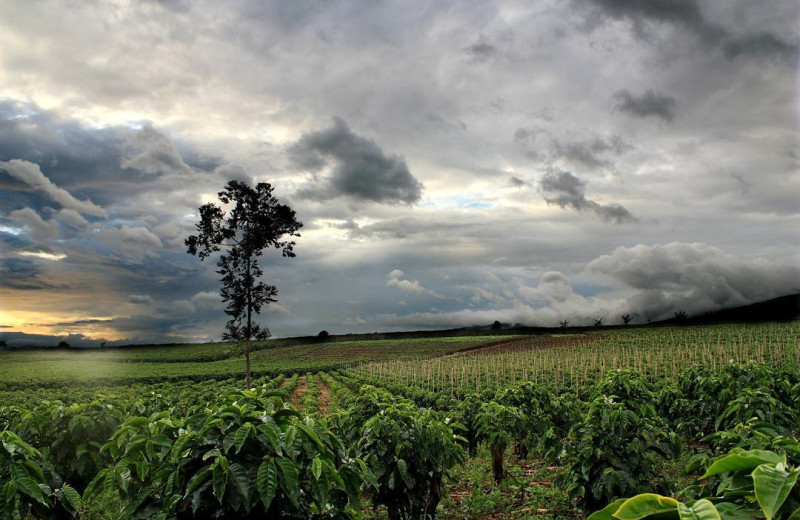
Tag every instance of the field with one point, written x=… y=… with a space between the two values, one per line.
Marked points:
x=57 y=367
x=544 y=426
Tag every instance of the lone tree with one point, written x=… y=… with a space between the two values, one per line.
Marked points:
x=254 y=221
x=626 y=319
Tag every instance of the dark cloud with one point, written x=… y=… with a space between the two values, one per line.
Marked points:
x=649 y=103
x=639 y=13
x=564 y=189
x=694 y=277
x=481 y=49
x=687 y=14
x=590 y=153
x=761 y=45
x=23 y=274
x=360 y=168
x=516 y=182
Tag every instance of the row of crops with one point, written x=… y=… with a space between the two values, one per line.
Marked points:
x=721 y=437
x=574 y=360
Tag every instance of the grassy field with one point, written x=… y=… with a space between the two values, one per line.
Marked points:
x=53 y=367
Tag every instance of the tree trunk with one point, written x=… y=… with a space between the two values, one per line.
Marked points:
x=249 y=314
x=436 y=492
x=521 y=449
x=247 y=364
x=497 y=461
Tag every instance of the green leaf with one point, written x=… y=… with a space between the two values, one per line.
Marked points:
x=772 y=486
x=220 y=479
x=290 y=482
x=730 y=511
x=71 y=499
x=241 y=480
x=26 y=484
x=738 y=460
x=316 y=467
x=795 y=515
x=644 y=505
x=700 y=510
x=239 y=438
x=607 y=513
x=402 y=467
x=267 y=482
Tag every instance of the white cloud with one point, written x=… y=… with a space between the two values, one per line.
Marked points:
x=32 y=175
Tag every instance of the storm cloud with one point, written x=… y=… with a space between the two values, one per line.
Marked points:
x=689 y=16
x=478 y=148
x=649 y=103
x=360 y=168
x=564 y=189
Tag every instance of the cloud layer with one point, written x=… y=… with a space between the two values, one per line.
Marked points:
x=515 y=161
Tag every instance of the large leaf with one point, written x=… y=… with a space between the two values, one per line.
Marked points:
x=220 y=479
x=607 y=513
x=731 y=511
x=26 y=484
x=700 y=510
x=772 y=486
x=738 y=460
x=645 y=505
x=240 y=437
x=70 y=499
x=267 y=482
x=241 y=480
x=290 y=482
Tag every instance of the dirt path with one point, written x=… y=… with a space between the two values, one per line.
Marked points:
x=324 y=400
x=299 y=391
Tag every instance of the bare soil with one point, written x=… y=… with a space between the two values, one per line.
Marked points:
x=299 y=391
x=324 y=400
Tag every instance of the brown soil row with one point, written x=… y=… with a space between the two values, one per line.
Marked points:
x=299 y=391
x=324 y=400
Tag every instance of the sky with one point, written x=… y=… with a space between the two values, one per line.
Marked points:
x=452 y=162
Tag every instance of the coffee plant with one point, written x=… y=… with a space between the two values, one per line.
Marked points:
x=245 y=458
x=409 y=451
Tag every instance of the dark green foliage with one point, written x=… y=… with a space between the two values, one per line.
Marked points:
x=498 y=425
x=29 y=486
x=548 y=418
x=615 y=450
x=71 y=437
x=409 y=451
x=246 y=457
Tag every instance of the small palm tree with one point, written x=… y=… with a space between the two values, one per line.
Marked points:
x=598 y=323
x=626 y=319
x=563 y=324
x=680 y=315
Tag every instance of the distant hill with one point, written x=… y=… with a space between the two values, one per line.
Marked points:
x=785 y=308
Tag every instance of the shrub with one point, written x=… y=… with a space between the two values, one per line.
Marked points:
x=28 y=487
x=497 y=426
x=409 y=451
x=248 y=457
x=614 y=451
